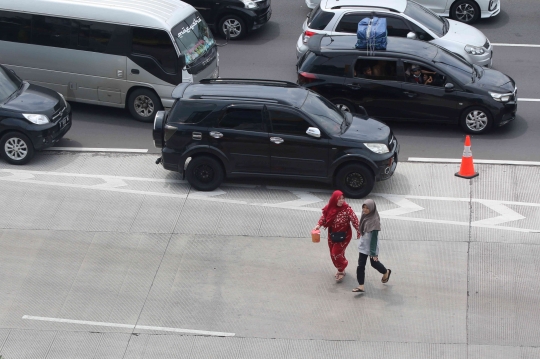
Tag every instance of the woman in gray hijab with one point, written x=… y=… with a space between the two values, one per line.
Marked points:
x=368 y=246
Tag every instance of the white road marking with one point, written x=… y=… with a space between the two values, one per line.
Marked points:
x=90 y=149
x=514 y=45
x=130 y=326
x=529 y=99
x=491 y=162
x=406 y=206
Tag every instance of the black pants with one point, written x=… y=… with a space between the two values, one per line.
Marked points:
x=361 y=269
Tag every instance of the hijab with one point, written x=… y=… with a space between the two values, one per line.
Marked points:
x=371 y=221
x=331 y=210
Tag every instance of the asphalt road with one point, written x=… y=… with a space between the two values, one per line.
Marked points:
x=270 y=53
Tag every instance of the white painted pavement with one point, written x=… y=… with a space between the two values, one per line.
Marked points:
x=489 y=162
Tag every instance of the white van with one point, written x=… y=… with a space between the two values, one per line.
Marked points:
x=113 y=53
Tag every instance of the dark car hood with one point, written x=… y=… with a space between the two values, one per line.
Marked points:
x=493 y=80
x=34 y=99
x=366 y=129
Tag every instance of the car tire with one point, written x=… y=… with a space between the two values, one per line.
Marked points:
x=465 y=11
x=476 y=120
x=204 y=173
x=16 y=148
x=143 y=104
x=355 y=180
x=238 y=27
x=345 y=105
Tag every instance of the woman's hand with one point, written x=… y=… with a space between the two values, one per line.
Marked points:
x=375 y=258
x=316 y=227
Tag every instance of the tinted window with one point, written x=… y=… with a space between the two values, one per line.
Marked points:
x=157 y=44
x=376 y=69
x=461 y=76
x=349 y=23
x=53 y=31
x=318 y=19
x=288 y=123
x=193 y=37
x=324 y=113
x=8 y=84
x=242 y=119
x=190 y=112
x=396 y=27
x=426 y=17
x=421 y=33
x=103 y=38
x=337 y=66
x=15 y=27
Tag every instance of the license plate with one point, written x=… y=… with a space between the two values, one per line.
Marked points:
x=63 y=123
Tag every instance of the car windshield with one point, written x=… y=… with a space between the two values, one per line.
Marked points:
x=193 y=37
x=324 y=113
x=427 y=18
x=9 y=84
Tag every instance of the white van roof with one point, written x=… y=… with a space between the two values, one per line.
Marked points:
x=163 y=14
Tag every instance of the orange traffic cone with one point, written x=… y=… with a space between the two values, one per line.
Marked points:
x=467 y=166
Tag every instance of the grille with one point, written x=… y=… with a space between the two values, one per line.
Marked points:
x=391 y=142
x=486 y=45
x=59 y=114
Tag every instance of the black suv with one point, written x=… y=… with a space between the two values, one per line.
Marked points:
x=239 y=16
x=263 y=128
x=409 y=81
x=31 y=117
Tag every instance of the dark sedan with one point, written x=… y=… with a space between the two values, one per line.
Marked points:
x=409 y=81
x=31 y=117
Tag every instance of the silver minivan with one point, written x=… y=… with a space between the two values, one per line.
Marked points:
x=132 y=54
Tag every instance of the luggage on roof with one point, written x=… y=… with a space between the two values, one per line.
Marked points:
x=372 y=34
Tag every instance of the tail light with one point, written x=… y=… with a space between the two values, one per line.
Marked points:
x=307 y=35
x=306 y=78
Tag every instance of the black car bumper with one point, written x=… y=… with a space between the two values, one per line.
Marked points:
x=386 y=168
x=170 y=160
x=43 y=137
x=260 y=20
x=507 y=113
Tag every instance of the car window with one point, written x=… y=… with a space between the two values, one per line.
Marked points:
x=322 y=65
x=396 y=27
x=187 y=112
x=15 y=27
x=424 y=75
x=52 y=31
x=349 y=22
x=8 y=85
x=319 y=19
x=421 y=34
x=426 y=17
x=376 y=69
x=324 y=113
x=245 y=119
x=157 y=44
x=288 y=123
x=103 y=38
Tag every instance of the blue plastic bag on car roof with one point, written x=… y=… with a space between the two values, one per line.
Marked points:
x=372 y=34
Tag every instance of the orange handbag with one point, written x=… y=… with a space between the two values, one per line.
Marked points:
x=316 y=236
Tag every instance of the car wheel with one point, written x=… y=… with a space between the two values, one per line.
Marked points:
x=466 y=11
x=16 y=148
x=143 y=105
x=236 y=25
x=204 y=173
x=355 y=180
x=476 y=120
x=344 y=105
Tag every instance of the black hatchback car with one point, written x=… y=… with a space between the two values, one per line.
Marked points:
x=263 y=128
x=239 y=16
x=31 y=117
x=409 y=81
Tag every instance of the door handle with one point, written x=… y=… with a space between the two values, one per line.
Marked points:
x=135 y=71
x=354 y=85
x=276 y=140
x=410 y=94
x=216 y=134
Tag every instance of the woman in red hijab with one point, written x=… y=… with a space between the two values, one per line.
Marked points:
x=337 y=216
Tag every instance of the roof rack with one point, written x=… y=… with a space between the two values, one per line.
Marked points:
x=370 y=7
x=250 y=82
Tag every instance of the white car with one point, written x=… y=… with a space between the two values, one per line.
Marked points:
x=405 y=18
x=467 y=11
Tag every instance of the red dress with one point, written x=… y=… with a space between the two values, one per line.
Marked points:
x=341 y=224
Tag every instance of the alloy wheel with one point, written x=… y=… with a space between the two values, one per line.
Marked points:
x=204 y=173
x=465 y=12
x=476 y=120
x=233 y=26
x=144 y=106
x=16 y=149
x=355 y=180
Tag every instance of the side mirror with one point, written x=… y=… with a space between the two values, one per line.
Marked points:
x=411 y=36
x=449 y=87
x=181 y=62
x=314 y=132
x=362 y=111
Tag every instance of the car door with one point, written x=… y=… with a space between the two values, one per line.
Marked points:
x=292 y=151
x=428 y=102
x=243 y=137
x=379 y=92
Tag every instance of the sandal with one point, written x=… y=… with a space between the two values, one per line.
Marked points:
x=358 y=290
x=387 y=278
x=340 y=276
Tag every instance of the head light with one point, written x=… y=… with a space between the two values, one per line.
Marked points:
x=501 y=97
x=250 y=4
x=37 y=119
x=377 y=147
x=474 y=50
